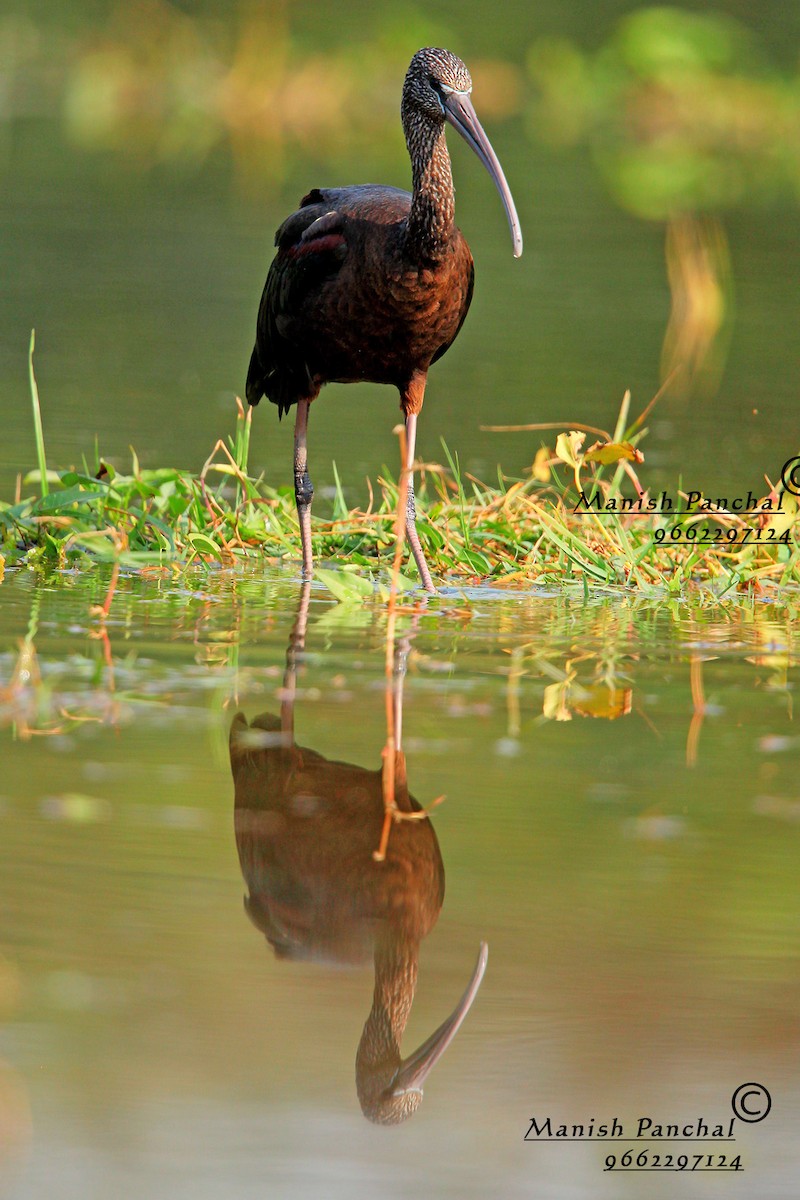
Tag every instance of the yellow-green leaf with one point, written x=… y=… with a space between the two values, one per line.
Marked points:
x=346 y=587
x=204 y=545
x=568 y=447
x=611 y=452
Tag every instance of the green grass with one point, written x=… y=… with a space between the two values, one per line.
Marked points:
x=37 y=419
x=514 y=533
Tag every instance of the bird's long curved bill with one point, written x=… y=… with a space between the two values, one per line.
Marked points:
x=415 y=1069
x=459 y=112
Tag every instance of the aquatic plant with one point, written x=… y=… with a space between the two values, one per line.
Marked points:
x=581 y=517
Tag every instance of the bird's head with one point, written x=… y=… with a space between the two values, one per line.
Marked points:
x=390 y=1088
x=437 y=88
x=433 y=75
x=382 y=1102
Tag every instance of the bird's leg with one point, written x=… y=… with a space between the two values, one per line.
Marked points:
x=411 y=511
x=398 y=678
x=297 y=644
x=303 y=487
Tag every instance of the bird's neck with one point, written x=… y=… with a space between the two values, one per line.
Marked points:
x=396 y=963
x=431 y=221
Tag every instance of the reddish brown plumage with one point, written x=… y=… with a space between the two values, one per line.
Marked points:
x=307 y=828
x=373 y=283
x=351 y=302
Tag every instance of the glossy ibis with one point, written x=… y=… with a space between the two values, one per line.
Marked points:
x=373 y=283
x=306 y=828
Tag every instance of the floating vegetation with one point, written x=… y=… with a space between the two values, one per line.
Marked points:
x=581 y=517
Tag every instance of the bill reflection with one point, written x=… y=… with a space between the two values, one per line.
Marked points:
x=307 y=831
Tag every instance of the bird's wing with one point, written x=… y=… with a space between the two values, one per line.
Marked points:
x=312 y=245
x=312 y=224
x=373 y=202
x=311 y=248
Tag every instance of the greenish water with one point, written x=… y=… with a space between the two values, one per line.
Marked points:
x=628 y=853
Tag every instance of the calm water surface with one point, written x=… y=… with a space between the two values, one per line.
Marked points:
x=143 y=287
x=620 y=826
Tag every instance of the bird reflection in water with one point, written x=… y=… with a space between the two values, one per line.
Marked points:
x=307 y=828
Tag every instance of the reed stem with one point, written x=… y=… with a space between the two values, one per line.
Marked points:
x=37 y=422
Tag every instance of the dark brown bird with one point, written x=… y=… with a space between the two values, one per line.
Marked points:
x=306 y=831
x=373 y=283
x=306 y=828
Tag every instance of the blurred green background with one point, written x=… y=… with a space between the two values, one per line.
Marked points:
x=148 y=151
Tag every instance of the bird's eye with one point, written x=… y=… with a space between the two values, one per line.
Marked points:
x=434 y=82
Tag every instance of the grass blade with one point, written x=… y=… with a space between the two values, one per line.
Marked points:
x=37 y=421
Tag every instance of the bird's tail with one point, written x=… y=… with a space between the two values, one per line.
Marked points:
x=282 y=387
